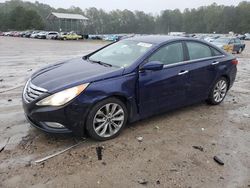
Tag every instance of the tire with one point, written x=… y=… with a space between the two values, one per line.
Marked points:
x=218 y=92
x=106 y=119
x=239 y=51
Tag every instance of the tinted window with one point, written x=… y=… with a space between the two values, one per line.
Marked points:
x=197 y=50
x=169 y=54
x=216 y=52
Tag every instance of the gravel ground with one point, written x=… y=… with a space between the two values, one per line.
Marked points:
x=164 y=158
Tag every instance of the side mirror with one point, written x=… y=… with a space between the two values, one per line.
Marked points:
x=152 y=65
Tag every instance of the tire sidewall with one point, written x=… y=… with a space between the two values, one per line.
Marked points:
x=92 y=113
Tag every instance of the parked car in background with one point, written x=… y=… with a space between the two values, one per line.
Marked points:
x=16 y=34
x=124 y=82
x=1 y=33
x=211 y=38
x=52 y=35
x=111 y=38
x=7 y=33
x=73 y=36
x=27 y=34
x=34 y=34
x=230 y=44
x=247 y=36
x=42 y=35
x=241 y=37
x=95 y=37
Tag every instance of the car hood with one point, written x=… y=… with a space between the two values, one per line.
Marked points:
x=71 y=73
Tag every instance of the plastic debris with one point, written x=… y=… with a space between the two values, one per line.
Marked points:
x=140 y=138
x=57 y=153
x=218 y=160
x=142 y=182
x=203 y=129
x=2 y=146
x=198 y=147
x=99 y=152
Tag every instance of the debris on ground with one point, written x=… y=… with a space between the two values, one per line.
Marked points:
x=104 y=163
x=1 y=80
x=9 y=100
x=11 y=88
x=140 y=138
x=218 y=160
x=246 y=115
x=157 y=127
x=99 y=152
x=29 y=70
x=2 y=146
x=203 y=129
x=199 y=148
x=143 y=182
x=158 y=182
x=57 y=153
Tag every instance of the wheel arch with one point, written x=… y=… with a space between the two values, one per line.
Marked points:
x=228 y=80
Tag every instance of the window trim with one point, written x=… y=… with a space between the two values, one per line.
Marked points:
x=194 y=60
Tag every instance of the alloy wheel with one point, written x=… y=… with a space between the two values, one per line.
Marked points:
x=220 y=91
x=108 y=120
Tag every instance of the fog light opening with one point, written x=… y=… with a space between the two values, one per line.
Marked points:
x=54 y=125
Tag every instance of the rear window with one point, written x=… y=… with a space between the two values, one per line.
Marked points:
x=198 y=50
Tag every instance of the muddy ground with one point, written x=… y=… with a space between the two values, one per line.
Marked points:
x=165 y=157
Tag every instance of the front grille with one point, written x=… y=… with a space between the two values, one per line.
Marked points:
x=32 y=92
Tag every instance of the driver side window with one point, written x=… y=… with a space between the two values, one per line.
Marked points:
x=169 y=54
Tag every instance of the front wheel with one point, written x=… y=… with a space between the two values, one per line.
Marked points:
x=218 y=92
x=106 y=119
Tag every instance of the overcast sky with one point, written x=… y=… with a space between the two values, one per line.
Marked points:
x=153 y=6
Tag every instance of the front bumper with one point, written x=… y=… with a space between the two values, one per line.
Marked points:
x=72 y=116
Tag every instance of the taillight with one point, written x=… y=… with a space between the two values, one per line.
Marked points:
x=235 y=62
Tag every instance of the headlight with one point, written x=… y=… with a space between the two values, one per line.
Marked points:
x=62 y=97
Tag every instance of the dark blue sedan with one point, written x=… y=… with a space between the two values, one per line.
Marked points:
x=126 y=81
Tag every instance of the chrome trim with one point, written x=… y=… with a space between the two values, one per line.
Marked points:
x=184 y=72
x=193 y=60
x=32 y=92
x=37 y=88
x=215 y=63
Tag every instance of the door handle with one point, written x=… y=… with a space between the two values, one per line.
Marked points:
x=215 y=63
x=183 y=72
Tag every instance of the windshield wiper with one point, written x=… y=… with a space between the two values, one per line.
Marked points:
x=100 y=62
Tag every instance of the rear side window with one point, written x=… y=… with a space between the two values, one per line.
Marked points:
x=169 y=54
x=216 y=52
x=198 y=50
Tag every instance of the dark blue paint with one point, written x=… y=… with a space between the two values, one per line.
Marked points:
x=145 y=92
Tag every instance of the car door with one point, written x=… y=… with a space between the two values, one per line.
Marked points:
x=163 y=89
x=203 y=64
x=237 y=45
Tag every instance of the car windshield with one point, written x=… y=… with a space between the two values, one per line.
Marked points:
x=222 y=40
x=121 y=54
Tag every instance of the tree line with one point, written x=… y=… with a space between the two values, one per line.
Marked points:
x=19 y=15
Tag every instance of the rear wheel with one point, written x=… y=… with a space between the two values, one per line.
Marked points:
x=239 y=51
x=106 y=119
x=218 y=92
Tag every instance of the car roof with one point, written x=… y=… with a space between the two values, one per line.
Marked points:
x=155 y=39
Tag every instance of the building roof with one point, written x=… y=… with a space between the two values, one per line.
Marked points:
x=53 y=15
